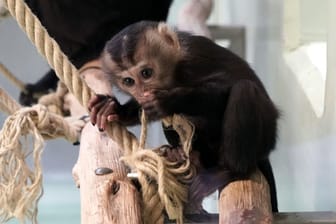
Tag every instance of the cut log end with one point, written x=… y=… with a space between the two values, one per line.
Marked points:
x=246 y=201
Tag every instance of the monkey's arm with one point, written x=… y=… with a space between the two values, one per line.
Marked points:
x=194 y=101
x=249 y=128
x=105 y=109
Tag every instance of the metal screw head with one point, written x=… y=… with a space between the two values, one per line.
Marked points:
x=103 y=171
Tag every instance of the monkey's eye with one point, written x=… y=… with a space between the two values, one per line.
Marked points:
x=146 y=73
x=128 y=82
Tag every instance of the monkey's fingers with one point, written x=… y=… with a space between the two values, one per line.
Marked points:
x=93 y=101
x=96 y=99
x=102 y=117
x=95 y=109
x=113 y=117
x=107 y=113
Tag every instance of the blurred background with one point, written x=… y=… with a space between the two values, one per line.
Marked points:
x=292 y=46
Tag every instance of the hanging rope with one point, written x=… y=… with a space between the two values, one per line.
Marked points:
x=147 y=163
x=7 y=103
x=170 y=189
x=11 y=77
x=21 y=184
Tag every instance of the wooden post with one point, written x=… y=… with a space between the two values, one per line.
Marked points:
x=107 y=195
x=246 y=201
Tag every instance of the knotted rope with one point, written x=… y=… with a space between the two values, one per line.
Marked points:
x=145 y=162
x=170 y=189
x=55 y=101
x=21 y=184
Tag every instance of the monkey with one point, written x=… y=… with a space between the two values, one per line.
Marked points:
x=81 y=28
x=166 y=72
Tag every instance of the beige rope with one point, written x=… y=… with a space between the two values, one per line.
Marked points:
x=55 y=101
x=68 y=74
x=169 y=190
x=21 y=185
x=65 y=71
x=7 y=103
x=11 y=77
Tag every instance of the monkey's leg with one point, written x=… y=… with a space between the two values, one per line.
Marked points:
x=266 y=169
x=249 y=128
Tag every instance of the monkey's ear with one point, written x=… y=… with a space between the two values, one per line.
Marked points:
x=169 y=35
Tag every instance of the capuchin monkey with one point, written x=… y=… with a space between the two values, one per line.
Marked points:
x=170 y=72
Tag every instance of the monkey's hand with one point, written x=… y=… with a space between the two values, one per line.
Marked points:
x=103 y=109
x=156 y=104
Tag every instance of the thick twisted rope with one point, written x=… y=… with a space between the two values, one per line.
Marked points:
x=65 y=71
x=68 y=74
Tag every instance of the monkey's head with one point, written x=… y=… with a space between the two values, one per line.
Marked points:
x=142 y=58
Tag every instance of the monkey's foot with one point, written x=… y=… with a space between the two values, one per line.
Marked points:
x=172 y=154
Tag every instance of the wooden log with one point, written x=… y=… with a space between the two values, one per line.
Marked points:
x=107 y=195
x=246 y=201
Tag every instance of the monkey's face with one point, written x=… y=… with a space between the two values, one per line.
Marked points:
x=146 y=69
